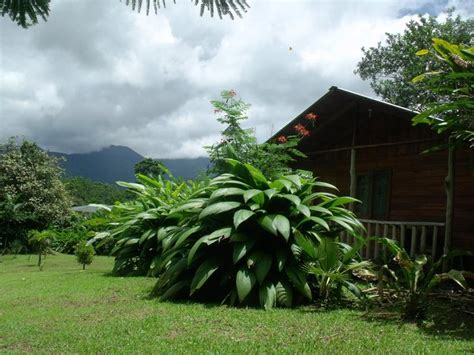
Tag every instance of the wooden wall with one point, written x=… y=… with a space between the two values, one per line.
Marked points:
x=416 y=180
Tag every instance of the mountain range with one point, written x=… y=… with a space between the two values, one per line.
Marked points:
x=116 y=163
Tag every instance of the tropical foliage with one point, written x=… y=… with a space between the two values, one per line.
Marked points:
x=453 y=114
x=272 y=157
x=134 y=225
x=411 y=280
x=239 y=243
x=84 y=191
x=334 y=265
x=390 y=66
x=32 y=195
x=150 y=167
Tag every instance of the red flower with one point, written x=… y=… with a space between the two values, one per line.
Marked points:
x=311 y=116
x=217 y=110
x=301 y=130
x=282 y=139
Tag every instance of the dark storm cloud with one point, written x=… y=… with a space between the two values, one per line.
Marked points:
x=98 y=74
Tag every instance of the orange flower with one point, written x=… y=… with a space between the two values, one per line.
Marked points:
x=311 y=116
x=282 y=139
x=301 y=130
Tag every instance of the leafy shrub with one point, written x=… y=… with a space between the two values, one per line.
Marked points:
x=412 y=280
x=239 y=243
x=134 y=226
x=333 y=264
x=84 y=254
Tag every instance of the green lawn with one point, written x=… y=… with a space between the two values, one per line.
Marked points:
x=64 y=309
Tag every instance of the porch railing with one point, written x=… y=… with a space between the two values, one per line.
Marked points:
x=415 y=237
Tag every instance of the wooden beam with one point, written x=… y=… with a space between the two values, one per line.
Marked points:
x=390 y=144
x=449 y=185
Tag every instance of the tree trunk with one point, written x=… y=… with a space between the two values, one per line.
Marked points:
x=83 y=266
x=39 y=259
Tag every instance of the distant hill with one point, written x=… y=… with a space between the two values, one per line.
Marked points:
x=116 y=163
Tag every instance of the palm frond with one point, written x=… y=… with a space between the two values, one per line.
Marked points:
x=231 y=8
x=25 y=12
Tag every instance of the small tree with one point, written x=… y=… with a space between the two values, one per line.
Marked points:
x=84 y=254
x=240 y=144
x=151 y=168
x=40 y=242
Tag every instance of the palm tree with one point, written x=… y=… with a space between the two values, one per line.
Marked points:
x=27 y=12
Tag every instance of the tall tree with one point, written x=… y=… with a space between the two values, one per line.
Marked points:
x=390 y=66
x=27 y=12
x=150 y=167
x=32 y=180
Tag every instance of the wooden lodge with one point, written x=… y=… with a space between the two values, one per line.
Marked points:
x=370 y=149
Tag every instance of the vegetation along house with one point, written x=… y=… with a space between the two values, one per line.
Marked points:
x=370 y=149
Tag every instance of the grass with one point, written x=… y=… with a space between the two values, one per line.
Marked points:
x=63 y=309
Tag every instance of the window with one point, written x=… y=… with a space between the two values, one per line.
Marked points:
x=373 y=189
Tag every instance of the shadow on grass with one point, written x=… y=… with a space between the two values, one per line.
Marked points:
x=447 y=317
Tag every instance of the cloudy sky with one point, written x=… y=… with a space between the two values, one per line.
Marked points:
x=98 y=74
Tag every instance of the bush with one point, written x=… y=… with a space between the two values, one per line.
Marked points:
x=239 y=242
x=134 y=226
x=84 y=254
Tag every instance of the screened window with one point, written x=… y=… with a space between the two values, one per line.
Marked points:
x=373 y=189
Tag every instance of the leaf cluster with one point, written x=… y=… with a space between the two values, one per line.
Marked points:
x=455 y=112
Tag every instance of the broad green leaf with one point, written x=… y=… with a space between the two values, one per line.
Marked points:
x=256 y=195
x=282 y=225
x=267 y=223
x=219 y=207
x=325 y=185
x=186 y=234
x=284 y=294
x=203 y=272
x=458 y=277
x=228 y=191
x=244 y=281
x=241 y=249
x=267 y=295
x=293 y=198
x=295 y=179
x=262 y=263
x=304 y=210
x=256 y=174
x=422 y=52
x=321 y=210
x=320 y=221
x=270 y=193
x=208 y=239
x=279 y=184
x=241 y=216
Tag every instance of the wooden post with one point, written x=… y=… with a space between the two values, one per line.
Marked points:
x=352 y=171
x=449 y=185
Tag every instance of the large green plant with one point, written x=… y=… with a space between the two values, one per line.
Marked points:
x=413 y=279
x=333 y=265
x=239 y=243
x=135 y=226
